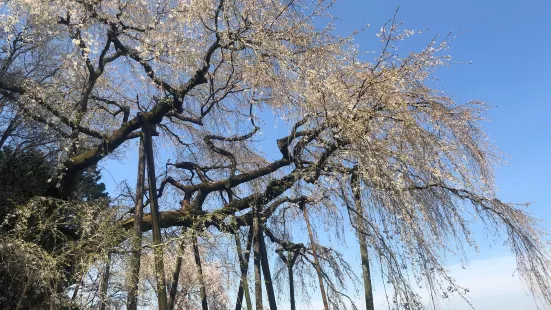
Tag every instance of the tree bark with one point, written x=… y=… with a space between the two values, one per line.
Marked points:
x=360 y=230
x=203 y=292
x=266 y=270
x=244 y=266
x=104 y=283
x=316 y=260
x=132 y=299
x=157 y=240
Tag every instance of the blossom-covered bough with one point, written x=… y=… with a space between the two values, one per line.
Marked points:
x=367 y=141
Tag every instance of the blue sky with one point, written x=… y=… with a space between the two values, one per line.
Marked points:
x=508 y=45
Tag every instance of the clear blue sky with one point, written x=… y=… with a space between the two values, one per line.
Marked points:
x=509 y=46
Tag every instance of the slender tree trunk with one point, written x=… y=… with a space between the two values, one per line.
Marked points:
x=104 y=283
x=266 y=270
x=203 y=292
x=157 y=242
x=290 y=262
x=244 y=266
x=291 y=286
x=134 y=274
x=316 y=260
x=256 y=260
x=360 y=230
x=176 y=276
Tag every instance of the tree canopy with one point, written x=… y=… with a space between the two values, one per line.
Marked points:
x=371 y=147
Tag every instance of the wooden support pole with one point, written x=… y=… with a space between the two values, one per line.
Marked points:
x=244 y=266
x=134 y=273
x=266 y=271
x=153 y=203
x=202 y=290
x=360 y=230
x=176 y=274
x=256 y=260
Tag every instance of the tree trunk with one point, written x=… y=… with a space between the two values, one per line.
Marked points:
x=291 y=259
x=132 y=299
x=289 y=262
x=266 y=270
x=368 y=289
x=244 y=266
x=176 y=276
x=157 y=242
x=256 y=260
x=203 y=292
x=291 y=286
x=104 y=283
x=316 y=260
x=360 y=230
